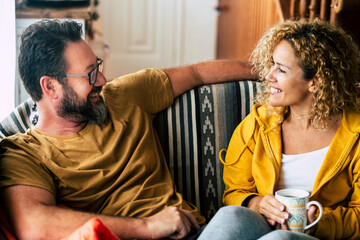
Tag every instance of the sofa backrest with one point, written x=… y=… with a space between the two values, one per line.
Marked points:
x=192 y=132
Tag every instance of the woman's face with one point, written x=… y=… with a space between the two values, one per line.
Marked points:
x=288 y=87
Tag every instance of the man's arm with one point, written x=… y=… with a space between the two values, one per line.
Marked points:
x=187 y=77
x=33 y=214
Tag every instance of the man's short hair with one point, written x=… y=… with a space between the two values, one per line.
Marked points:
x=42 y=52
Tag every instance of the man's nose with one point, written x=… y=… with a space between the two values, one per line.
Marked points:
x=101 y=80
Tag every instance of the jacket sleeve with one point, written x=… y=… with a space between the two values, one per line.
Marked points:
x=238 y=179
x=343 y=221
x=340 y=223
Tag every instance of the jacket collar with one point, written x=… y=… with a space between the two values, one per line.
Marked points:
x=346 y=136
x=268 y=118
x=342 y=144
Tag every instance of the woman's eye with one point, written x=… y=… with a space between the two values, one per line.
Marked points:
x=282 y=71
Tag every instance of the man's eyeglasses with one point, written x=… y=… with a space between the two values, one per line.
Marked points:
x=93 y=74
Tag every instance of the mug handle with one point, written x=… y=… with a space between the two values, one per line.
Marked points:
x=320 y=214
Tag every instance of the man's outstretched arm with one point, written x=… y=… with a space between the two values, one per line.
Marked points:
x=33 y=214
x=187 y=77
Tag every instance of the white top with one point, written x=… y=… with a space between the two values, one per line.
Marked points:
x=300 y=170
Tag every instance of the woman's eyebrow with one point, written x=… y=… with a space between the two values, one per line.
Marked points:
x=283 y=65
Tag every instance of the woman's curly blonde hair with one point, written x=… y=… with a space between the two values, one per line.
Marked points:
x=326 y=53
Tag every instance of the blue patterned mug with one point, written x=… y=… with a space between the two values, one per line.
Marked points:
x=297 y=203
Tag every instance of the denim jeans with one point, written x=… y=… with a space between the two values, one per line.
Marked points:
x=235 y=222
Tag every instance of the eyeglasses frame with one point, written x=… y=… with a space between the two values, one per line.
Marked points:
x=92 y=80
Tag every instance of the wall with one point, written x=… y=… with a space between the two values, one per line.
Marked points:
x=7 y=59
x=157 y=33
x=241 y=24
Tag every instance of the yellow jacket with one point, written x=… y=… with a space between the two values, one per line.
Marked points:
x=253 y=161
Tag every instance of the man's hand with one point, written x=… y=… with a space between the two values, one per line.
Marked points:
x=171 y=222
x=271 y=208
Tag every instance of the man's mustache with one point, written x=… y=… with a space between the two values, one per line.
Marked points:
x=96 y=89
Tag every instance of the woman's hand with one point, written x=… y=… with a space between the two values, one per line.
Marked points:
x=271 y=208
x=311 y=218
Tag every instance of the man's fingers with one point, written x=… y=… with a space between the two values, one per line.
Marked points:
x=186 y=222
x=191 y=218
x=171 y=222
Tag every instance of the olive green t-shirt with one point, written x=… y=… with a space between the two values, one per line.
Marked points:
x=116 y=168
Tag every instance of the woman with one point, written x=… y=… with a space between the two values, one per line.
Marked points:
x=303 y=133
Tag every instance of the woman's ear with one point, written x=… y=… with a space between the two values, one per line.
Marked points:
x=313 y=85
x=50 y=87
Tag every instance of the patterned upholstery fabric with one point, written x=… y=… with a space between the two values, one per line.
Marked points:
x=192 y=132
x=22 y=118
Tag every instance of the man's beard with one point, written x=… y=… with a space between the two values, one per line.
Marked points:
x=79 y=111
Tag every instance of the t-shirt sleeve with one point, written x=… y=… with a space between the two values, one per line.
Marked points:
x=150 y=89
x=20 y=165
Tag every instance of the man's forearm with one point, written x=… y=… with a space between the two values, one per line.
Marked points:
x=57 y=223
x=224 y=70
x=51 y=222
x=33 y=214
x=187 y=77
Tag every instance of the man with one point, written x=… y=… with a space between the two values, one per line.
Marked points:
x=94 y=149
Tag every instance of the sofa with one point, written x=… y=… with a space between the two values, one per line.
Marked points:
x=192 y=132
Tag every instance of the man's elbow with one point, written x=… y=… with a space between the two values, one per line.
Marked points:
x=31 y=230
x=27 y=232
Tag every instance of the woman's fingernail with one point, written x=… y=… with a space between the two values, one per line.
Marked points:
x=282 y=208
x=286 y=215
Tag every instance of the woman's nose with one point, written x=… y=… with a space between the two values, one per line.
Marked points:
x=270 y=76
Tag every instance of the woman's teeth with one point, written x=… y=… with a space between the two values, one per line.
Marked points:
x=274 y=90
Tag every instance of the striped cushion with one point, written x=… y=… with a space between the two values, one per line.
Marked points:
x=192 y=131
x=23 y=117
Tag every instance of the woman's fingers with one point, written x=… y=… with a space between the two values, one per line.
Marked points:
x=311 y=213
x=273 y=210
x=311 y=218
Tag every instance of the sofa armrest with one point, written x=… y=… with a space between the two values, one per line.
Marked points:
x=193 y=131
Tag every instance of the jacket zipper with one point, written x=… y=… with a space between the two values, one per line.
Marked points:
x=344 y=155
x=270 y=153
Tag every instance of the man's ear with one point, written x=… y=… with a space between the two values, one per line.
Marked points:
x=50 y=87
